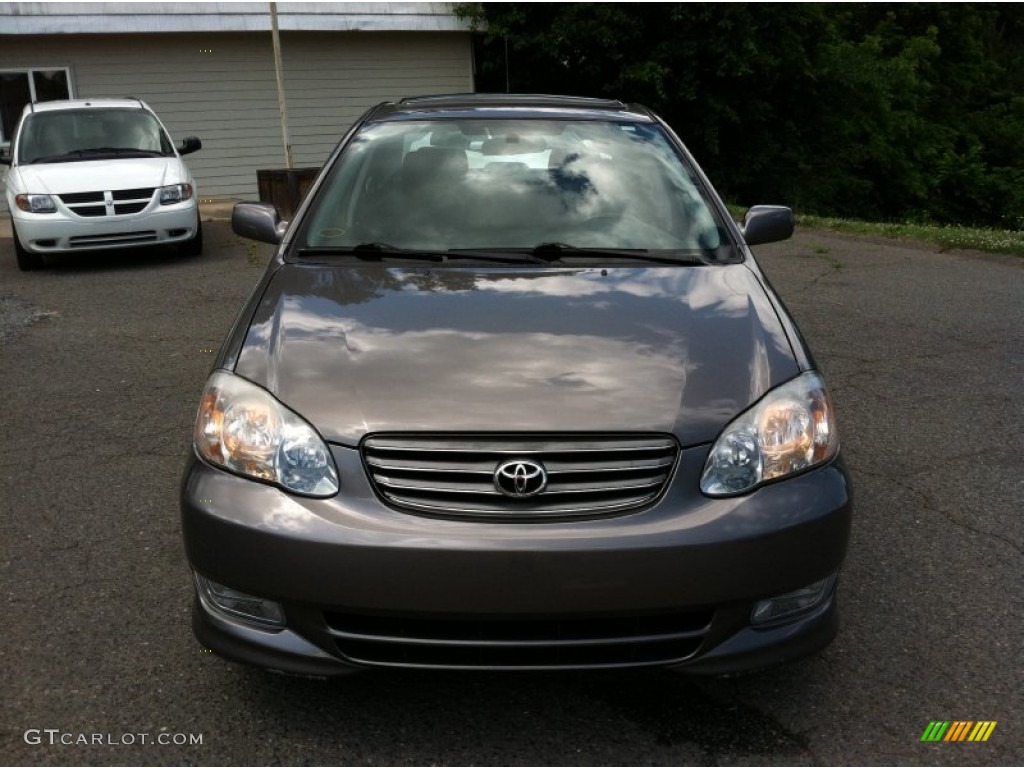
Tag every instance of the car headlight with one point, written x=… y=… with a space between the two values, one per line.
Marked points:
x=241 y=427
x=790 y=429
x=35 y=203
x=175 y=193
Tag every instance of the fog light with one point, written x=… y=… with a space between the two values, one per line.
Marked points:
x=239 y=605
x=788 y=605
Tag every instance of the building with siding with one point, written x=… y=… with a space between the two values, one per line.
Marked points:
x=207 y=69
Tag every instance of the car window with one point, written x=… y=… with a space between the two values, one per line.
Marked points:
x=439 y=185
x=89 y=134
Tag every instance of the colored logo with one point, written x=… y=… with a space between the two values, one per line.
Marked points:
x=958 y=730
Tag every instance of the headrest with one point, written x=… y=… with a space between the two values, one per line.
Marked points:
x=512 y=144
x=451 y=139
x=431 y=162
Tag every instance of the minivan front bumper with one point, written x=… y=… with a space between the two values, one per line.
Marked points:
x=362 y=584
x=64 y=232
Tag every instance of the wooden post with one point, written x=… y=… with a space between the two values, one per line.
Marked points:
x=279 y=71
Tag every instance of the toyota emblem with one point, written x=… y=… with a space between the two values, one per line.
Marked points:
x=520 y=478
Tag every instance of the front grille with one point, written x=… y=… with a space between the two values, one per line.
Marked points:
x=129 y=207
x=82 y=197
x=518 y=642
x=90 y=210
x=454 y=475
x=128 y=201
x=118 y=238
x=142 y=193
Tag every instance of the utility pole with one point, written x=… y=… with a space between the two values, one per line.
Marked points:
x=279 y=71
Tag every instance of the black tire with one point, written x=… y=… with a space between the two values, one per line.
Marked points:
x=27 y=261
x=193 y=247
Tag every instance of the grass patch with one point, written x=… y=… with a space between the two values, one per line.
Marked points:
x=973 y=238
x=945 y=236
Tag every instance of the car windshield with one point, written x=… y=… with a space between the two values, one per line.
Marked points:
x=502 y=184
x=90 y=134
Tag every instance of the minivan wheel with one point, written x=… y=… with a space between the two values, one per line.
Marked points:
x=27 y=261
x=193 y=247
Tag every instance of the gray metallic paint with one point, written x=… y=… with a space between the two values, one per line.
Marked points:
x=352 y=551
x=357 y=349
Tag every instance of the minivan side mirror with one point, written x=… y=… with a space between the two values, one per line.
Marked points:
x=258 y=221
x=767 y=224
x=5 y=157
x=189 y=145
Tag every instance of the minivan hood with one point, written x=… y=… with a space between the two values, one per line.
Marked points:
x=101 y=175
x=358 y=349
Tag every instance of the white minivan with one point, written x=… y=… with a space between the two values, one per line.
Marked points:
x=95 y=174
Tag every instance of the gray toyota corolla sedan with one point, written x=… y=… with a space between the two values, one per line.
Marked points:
x=513 y=393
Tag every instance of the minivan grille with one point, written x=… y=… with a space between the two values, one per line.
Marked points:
x=74 y=198
x=518 y=642
x=113 y=238
x=127 y=201
x=90 y=210
x=454 y=475
x=129 y=207
x=143 y=193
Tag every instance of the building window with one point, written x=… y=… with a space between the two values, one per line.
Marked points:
x=18 y=87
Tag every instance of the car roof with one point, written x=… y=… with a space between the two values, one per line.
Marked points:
x=52 y=106
x=509 y=105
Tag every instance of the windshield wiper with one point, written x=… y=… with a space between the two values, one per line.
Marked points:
x=555 y=251
x=77 y=155
x=371 y=252
x=378 y=251
x=496 y=255
x=545 y=253
x=118 y=151
x=67 y=157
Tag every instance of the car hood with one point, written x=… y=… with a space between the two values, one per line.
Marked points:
x=358 y=349
x=100 y=175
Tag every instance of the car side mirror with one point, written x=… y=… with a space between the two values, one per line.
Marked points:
x=767 y=224
x=258 y=221
x=189 y=145
x=5 y=158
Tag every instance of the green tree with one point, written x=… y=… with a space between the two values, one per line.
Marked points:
x=874 y=110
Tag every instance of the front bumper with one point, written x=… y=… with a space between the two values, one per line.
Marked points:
x=364 y=585
x=65 y=232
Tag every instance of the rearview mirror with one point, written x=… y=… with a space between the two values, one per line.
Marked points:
x=767 y=224
x=189 y=145
x=5 y=158
x=258 y=221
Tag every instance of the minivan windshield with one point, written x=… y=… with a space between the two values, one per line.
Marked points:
x=71 y=135
x=447 y=185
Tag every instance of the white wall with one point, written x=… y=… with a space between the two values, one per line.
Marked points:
x=221 y=87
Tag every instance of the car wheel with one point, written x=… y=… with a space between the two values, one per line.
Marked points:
x=27 y=261
x=193 y=247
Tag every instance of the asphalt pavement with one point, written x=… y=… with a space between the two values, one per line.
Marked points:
x=102 y=359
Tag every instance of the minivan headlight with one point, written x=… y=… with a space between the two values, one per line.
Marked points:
x=175 y=193
x=35 y=203
x=790 y=429
x=243 y=428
